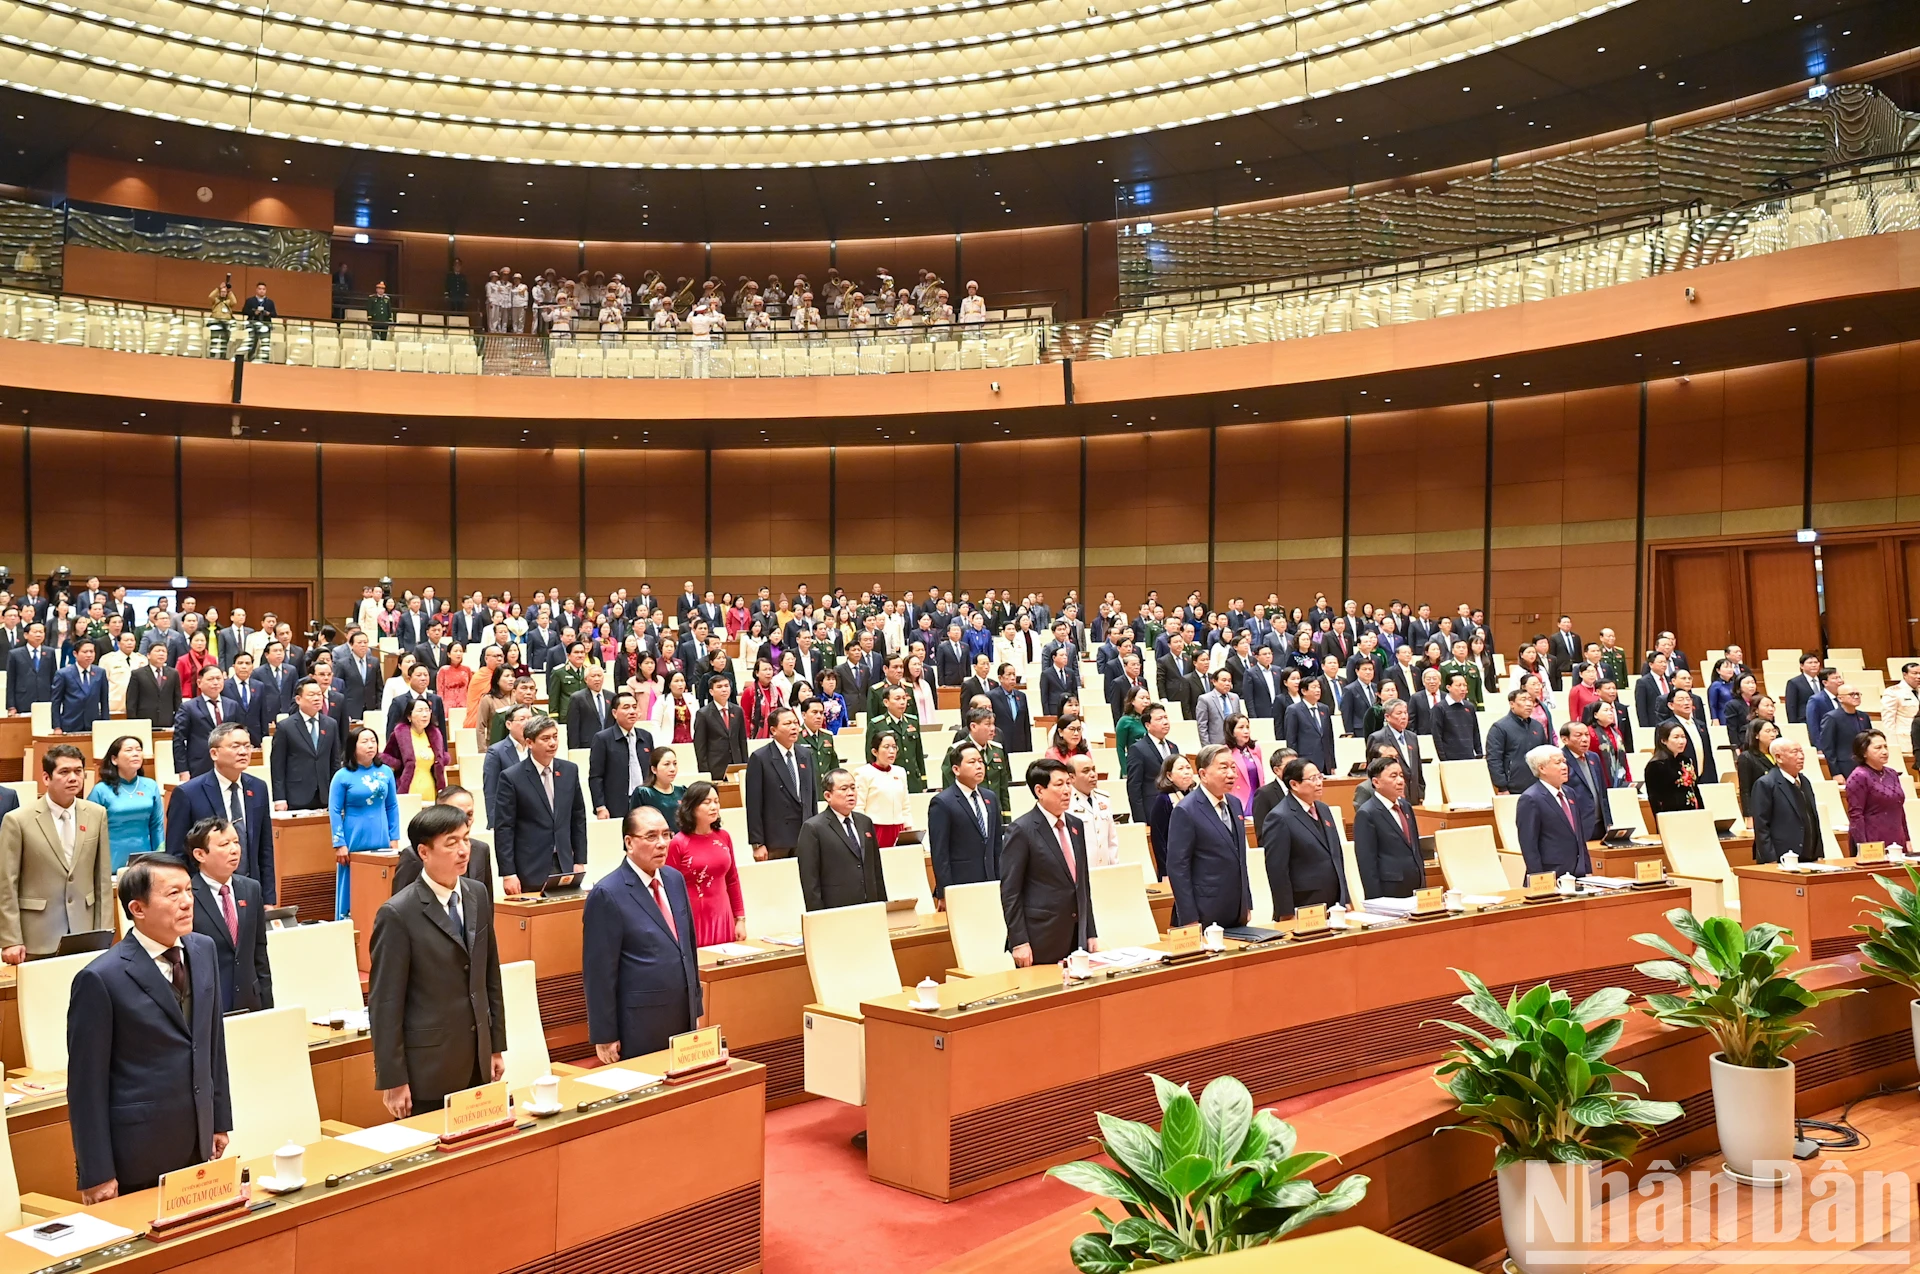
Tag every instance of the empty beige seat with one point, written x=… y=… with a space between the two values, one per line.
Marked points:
x=1623 y=809
x=1134 y=847
x=1695 y=859
x=1506 y=821
x=903 y=869
x=1469 y=860
x=526 y=1058
x=850 y=960
x=1465 y=782
x=977 y=923
x=315 y=968
x=270 y=1082
x=605 y=848
x=1122 y=915
x=44 y=989
x=771 y=894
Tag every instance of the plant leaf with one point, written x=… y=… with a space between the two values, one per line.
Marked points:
x=1092 y=1254
x=1098 y=1179
x=1181 y=1132
x=1188 y=1174
x=1226 y=1108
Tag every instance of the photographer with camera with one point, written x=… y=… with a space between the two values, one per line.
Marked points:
x=260 y=313
x=223 y=306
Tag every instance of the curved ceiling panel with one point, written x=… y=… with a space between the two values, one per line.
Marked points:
x=795 y=85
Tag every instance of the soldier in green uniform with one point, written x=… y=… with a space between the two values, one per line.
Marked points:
x=896 y=676
x=816 y=738
x=1463 y=664
x=1613 y=660
x=567 y=680
x=894 y=719
x=999 y=780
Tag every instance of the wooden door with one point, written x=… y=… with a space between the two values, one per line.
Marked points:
x=1696 y=589
x=1782 y=606
x=1908 y=619
x=1859 y=600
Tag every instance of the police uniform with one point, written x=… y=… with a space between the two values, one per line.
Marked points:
x=1095 y=812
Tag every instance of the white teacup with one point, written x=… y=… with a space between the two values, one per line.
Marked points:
x=1080 y=964
x=546 y=1092
x=289 y=1162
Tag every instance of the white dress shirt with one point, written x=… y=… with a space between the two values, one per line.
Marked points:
x=157 y=954
x=1103 y=836
x=882 y=795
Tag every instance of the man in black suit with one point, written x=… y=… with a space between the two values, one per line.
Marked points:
x=779 y=789
x=1685 y=710
x=232 y=639
x=1012 y=719
x=1043 y=873
x=1261 y=687
x=195 y=721
x=276 y=678
x=1803 y=687
x=590 y=710
x=1124 y=683
x=30 y=670
x=412 y=631
x=1309 y=727
x=1509 y=740
x=358 y=676
x=640 y=966
x=1305 y=864
x=1406 y=745
x=981 y=681
x=1651 y=691
x=1144 y=760
x=541 y=808
x=1207 y=848
x=720 y=732
x=145 y=1035
x=1457 y=736
x=950 y=659
x=433 y=993
x=153 y=690
x=246 y=702
x=306 y=751
x=964 y=829
x=1273 y=790
x=228 y=911
x=1786 y=817
x=1175 y=669
x=1564 y=647
x=1357 y=699
x=1386 y=835
x=503 y=756
x=619 y=760
x=839 y=856
x=1058 y=680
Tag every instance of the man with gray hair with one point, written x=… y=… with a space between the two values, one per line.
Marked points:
x=1551 y=837
x=1785 y=816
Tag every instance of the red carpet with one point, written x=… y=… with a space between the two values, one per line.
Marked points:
x=824 y=1216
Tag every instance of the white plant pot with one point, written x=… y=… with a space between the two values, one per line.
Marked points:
x=1753 y=1114
x=1915 y=1006
x=1546 y=1215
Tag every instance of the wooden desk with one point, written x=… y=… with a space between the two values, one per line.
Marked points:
x=303 y=864
x=1818 y=907
x=758 y=1000
x=39 y=743
x=947 y=1116
x=1338 y=794
x=549 y=934
x=1435 y=818
x=15 y=734
x=43 y=1143
x=558 y=1195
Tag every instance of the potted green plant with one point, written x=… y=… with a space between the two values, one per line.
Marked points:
x=1541 y=1086
x=1215 y=1178
x=1736 y=991
x=1892 y=946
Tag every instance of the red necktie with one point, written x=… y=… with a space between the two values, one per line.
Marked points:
x=1406 y=824
x=226 y=907
x=1066 y=847
x=1572 y=822
x=213 y=708
x=666 y=912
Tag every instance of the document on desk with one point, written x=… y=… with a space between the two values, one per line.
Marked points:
x=1607 y=882
x=784 y=939
x=1391 y=906
x=618 y=1081
x=75 y=1232
x=389 y=1139
x=1126 y=957
x=731 y=950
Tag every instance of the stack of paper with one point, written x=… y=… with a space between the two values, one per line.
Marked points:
x=728 y=950
x=1608 y=882
x=1390 y=906
x=389 y=1139
x=1484 y=900
x=1126 y=957
x=784 y=939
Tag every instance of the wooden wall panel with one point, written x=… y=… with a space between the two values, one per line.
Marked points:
x=519 y=519
x=236 y=194
x=1860 y=603
x=1278 y=513
x=1725 y=452
x=1856 y=439
x=1782 y=612
x=250 y=509
x=1021 y=266
x=83 y=485
x=769 y=517
x=894 y=510
x=149 y=277
x=1564 y=472
x=1147 y=514
x=1020 y=515
x=632 y=260
x=646 y=520
x=384 y=512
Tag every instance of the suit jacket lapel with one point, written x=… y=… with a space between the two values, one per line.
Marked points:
x=147 y=974
x=203 y=897
x=645 y=898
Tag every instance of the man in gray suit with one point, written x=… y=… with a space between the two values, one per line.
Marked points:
x=1214 y=707
x=1398 y=733
x=434 y=1001
x=233 y=638
x=56 y=876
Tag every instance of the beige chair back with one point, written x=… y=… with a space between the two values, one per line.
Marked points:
x=1465 y=782
x=1122 y=916
x=1623 y=810
x=605 y=848
x=1134 y=848
x=1262 y=913
x=40 y=715
x=850 y=955
x=903 y=869
x=410 y=804
x=526 y=1058
x=771 y=893
x=105 y=732
x=44 y=988
x=1506 y=821
x=1469 y=860
x=315 y=968
x=1722 y=800
x=978 y=925
x=1913 y=822
x=1693 y=849
x=271 y=1082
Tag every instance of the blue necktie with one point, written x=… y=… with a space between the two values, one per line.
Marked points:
x=453 y=913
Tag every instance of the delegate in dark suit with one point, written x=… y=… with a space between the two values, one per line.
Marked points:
x=206 y=797
x=775 y=811
x=532 y=839
x=1587 y=783
x=1458 y=735
x=301 y=774
x=1390 y=865
x=1207 y=863
x=29 y=677
x=1055 y=685
x=79 y=698
x=246 y=979
x=153 y=695
x=1305 y=864
x=146 y=1081
x=433 y=994
x=1508 y=741
x=962 y=854
x=245 y=703
x=1144 y=760
x=583 y=721
x=608 y=757
x=1047 y=909
x=1785 y=817
x=1011 y=720
x=1175 y=686
x=1547 y=839
x=191 y=726
x=720 y=739
x=1309 y=731
x=642 y=979
x=833 y=873
x=359 y=682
